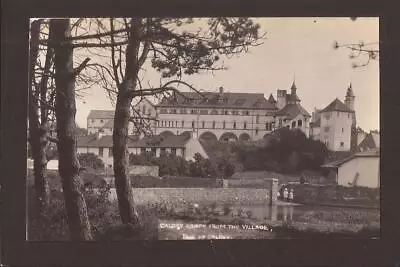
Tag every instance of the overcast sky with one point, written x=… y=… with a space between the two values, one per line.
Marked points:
x=300 y=47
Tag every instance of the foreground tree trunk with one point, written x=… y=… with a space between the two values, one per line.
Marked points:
x=65 y=114
x=121 y=124
x=37 y=133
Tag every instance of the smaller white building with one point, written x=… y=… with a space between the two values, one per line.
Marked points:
x=360 y=169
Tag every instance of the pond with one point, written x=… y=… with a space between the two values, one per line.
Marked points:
x=248 y=221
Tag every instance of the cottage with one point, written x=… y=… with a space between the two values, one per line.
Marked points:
x=360 y=169
x=184 y=145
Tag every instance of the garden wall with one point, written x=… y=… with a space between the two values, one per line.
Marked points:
x=176 y=196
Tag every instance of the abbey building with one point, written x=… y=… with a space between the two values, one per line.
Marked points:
x=227 y=116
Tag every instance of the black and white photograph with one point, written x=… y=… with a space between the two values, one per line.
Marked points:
x=203 y=128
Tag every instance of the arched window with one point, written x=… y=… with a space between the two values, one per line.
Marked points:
x=203 y=124
x=293 y=124
x=223 y=125
x=213 y=124
x=244 y=125
x=234 y=125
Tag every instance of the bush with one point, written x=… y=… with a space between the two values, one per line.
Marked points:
x=103 y=216
x=90 y=160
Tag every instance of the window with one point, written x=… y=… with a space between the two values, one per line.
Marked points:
x=153 y=151
x=326 y=129
x=144 y=110
x=100 y=151
x=257 y=118
x=341 y=144
x=213 y=124
x=176 y=124
x=101 y=121
x=193 y=111
x=192 y=124
x=256 y=131
x=183 y=124
x=203 y=124
x=293 y=124
x=234 y=125
x=299 y=123
x=110 y=152
x=247 y=113
x=162 y=151
x=143 y=150
x=169 y=123
x=173 y=151
x=226 y=112
x=162 y=123
x=268 y=126
x=223 y=125
x=244 y=125
x=327 y=116
x=342 y=130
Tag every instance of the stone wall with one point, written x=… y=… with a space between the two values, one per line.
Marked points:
x=245 y=196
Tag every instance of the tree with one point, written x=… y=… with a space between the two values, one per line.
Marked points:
x=174 y=51
x=39 y=113
x=65 y=76
x=362 y=53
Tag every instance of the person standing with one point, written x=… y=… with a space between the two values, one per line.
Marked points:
x=285 y=194
x=291 y=195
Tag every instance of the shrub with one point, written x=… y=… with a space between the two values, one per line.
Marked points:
x=103 y=215
x=90 y=160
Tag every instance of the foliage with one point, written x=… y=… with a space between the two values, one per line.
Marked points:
x=103 y=216
x=288 y=151
x=172 y=165
x=90 y=160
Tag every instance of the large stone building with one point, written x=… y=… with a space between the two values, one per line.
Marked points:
x=229 y=116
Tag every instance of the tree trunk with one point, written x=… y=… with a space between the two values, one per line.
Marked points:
x=65 y=115
x=37 y=134
x=121 y=124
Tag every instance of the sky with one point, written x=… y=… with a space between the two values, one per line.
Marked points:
x=294 y=48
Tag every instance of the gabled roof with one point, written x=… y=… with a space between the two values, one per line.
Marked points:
x=337 y=105
x=217 y=100
x=170 y=141
x=369 y=142
x=365 y=154
x=103 y=141
x=101 y=114
x=292 y=110
x=271 y=99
